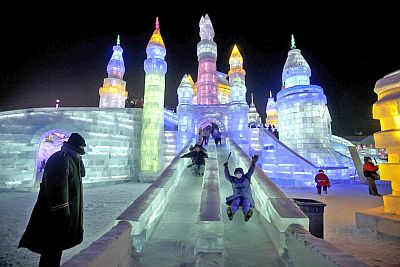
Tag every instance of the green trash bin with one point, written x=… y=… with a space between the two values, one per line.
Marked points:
x=315 y=212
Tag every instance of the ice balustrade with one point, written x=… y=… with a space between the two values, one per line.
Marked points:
x=210 y=227
x=146 y=210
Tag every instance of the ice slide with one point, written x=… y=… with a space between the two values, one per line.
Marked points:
x=195 y=223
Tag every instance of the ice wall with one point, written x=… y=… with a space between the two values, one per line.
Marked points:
x=112 y=136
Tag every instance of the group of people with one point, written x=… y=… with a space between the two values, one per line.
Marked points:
x=369 y=171
x=56 y=220
x=273 y=130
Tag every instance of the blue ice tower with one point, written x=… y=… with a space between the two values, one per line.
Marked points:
x=304 y=119
x=238 y=108
x=113 y=93
x=185 y=110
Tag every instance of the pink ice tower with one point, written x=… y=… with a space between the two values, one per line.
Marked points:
x=207 y=87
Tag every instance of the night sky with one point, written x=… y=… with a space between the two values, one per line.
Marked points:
x=60 y=50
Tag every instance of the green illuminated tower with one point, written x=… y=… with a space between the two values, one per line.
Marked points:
x=155 y=68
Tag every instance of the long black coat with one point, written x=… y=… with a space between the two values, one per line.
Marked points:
x=56 y=220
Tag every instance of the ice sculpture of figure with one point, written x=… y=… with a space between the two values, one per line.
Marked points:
x=207 y=87
x=153 y=110
x=271 y=112
x=238 y=108
x=185 y=110
x=304 y=119
x=113 y=93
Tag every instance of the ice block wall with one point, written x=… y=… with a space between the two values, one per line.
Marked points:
x=112 y=137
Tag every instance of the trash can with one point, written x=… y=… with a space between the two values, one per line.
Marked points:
x=315 y=213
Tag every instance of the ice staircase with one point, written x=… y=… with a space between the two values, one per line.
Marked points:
x=169 y=147
x=284 y=166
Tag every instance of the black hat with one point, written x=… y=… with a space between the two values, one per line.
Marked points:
x=237 y=170
x=321 y=170
x=76 y=140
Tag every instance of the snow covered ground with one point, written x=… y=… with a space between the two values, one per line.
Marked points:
x=104 y=203
x=342 y=201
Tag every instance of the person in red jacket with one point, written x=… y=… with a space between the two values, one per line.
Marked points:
x=322 y=181
x=369 y=170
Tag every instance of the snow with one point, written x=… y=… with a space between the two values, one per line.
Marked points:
x=342 y=201
x=104 y=203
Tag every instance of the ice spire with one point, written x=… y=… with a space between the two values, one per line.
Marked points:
x=157 y=24
x=270 y=94
x=271 y=112
x=293 y=42
x=296 y=70
x=206 y=28
x=118 y=40
x=156 y=38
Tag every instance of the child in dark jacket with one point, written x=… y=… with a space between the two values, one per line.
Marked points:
x=198 y=156
x=242 y=195
x=322 y=181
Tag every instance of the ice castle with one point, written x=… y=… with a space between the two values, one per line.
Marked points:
x=137 y=144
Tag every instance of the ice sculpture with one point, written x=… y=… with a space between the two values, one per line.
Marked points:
x=304 y=119
x=113 y=93
x=271 y=112
x=207 y=89
x=155 y=68
x=387 y=110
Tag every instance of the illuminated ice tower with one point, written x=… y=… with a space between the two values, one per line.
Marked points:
x=271 y=112
x=153 y=110
x=238 y=108
x=304 y=120
x=113 y=94
x=207 y=88
x=185 y=109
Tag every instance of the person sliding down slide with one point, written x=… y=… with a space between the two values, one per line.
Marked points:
x=198 y=160
x=242 y=195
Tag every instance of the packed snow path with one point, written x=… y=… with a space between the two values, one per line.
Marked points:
x=173 y=241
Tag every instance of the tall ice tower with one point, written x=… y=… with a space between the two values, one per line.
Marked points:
x=185 y=109
x=207 y=87
x=113 y=94
x=304 y=120
x=238 y=108
x=153 y=110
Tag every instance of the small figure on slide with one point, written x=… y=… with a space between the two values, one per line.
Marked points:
x=242 y=195
x=198 y=156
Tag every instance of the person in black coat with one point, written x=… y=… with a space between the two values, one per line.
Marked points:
x=198 y=156
x=56 y=221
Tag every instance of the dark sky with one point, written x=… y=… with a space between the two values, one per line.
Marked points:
x=60 y=50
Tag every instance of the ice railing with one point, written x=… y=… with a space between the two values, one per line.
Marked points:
x=279 y=210
x=144 y=213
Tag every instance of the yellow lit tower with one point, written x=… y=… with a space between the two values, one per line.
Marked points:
x=113 y=93
x=271 y=112
x=237 y=108
x=153 y=110
x=387 y=110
